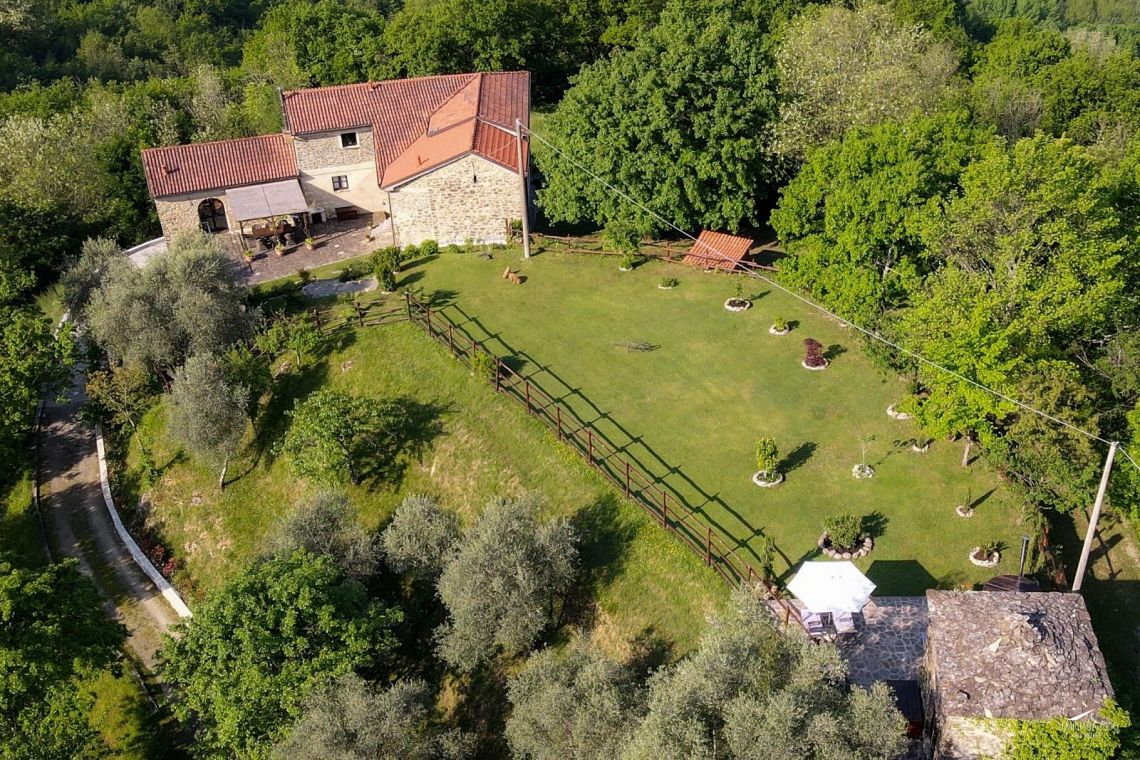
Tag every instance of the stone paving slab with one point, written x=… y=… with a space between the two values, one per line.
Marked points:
x=335 y=241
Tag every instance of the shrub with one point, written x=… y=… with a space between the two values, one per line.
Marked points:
x=844 y=530
x=354 y=270
x=452 y=248
x=304 y=275
x=1067 y=739
x=767 y=456
x=483 y=365
x=429 y=248
x=410 y=252
x=627 y=261
x=780 y=324
x=670 y=282
x=738 y=290
x=814 y=349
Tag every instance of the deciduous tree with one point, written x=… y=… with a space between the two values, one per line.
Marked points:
x=326 y=525
x=208 y=415
x=261 y=644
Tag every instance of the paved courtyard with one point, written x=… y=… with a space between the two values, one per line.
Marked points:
x=335 y=241
x=889 y=641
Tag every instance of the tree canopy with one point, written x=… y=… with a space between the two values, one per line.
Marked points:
x=257 y=647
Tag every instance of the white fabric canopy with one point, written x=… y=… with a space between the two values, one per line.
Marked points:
x=265 y=201
x=831 y=587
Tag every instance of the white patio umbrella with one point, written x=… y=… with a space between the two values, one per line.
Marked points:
x=831 y=587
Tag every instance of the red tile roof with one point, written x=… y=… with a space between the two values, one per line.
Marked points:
x=716 y=250
x=217 y=165
x=422 y=123
x=417 y=125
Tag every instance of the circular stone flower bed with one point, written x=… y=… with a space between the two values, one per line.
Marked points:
x=983 y=560
x=738 y=304
x=862 y=471
x=963 y=511
x=862 y=548
x=820 y=368
x=765 y=479
x=773 y=331
x=920 y=449
x=665 y=287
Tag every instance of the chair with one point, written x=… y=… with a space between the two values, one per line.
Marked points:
x=844 y=623
x=812 y=622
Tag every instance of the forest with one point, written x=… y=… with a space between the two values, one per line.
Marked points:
x=960 y=176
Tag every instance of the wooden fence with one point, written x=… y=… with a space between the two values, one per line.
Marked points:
x=715 y=550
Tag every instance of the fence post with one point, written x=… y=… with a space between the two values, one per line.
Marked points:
x=528 y=397
x=451 y=337
x=664 y=509
x=558 y=415
x=750 y=575
x=627 y=478
x=429 y=323
x=498 y=374
x=317 y=318
x=408 y=304
x=590 y=444
x=708 y=549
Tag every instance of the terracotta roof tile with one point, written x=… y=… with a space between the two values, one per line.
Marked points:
x=217 y=165
x=716 y=250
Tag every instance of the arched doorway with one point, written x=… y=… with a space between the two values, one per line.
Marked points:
x=212 y=215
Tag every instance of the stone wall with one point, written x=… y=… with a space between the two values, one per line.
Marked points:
x=322 y=150
x=970 y=739
x=178 y=213
x=469 y=199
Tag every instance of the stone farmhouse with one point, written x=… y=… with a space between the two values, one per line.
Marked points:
x=416 y=159
x=992 y=657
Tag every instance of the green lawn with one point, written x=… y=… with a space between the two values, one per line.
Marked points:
x=691 y=410
x=486 y=446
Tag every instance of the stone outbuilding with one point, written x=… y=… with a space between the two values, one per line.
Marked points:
x=425 y=158
x=1006 y=655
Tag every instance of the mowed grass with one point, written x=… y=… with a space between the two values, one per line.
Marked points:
x=690 y=410
x=485 y=446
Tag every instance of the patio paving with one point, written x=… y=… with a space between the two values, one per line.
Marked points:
x=335 y=241
x=889 y=641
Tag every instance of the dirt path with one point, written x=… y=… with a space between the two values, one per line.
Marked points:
x=79 y=526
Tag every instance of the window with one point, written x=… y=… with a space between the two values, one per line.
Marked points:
x=348 y=140
x=340 y=182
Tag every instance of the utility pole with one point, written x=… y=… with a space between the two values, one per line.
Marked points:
x=522 y=189
x=1094 y=517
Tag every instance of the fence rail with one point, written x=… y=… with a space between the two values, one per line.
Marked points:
x=716 y=550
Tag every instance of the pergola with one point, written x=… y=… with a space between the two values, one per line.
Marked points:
x=717 y=250
x=269 y=203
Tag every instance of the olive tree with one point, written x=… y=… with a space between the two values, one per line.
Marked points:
x=325 y=525
x=181 y=303
x=573 y=705
x=352 y=719
x=763 y=693
x=421 y=537
x=501 y=587
x=208 y=414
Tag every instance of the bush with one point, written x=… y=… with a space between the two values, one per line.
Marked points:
x=429 y=248
x=627 y=261
x=767 y=456
x=305 y=276
x=814 y=357
x=410 y=252
x=453 y=248
x=355 y=270
x=843 y=530
x=780 y=324
x=670 y=282
x=483 y=366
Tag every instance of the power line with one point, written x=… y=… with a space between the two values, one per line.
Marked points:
x=869 y=333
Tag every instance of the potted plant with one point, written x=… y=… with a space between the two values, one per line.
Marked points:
x=668 y=283
x=862 y=471
x=310 y=244
x=738 y=302
x=844 y=538
x=779 y=326
x=986 y=555
x=627 y=262
x=814 y=358
x=279 y=249
x=247 y=256
x=767 y=473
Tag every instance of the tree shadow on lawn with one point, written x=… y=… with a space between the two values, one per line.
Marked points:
x=874 y=524
x=903 y=577
x=483 y=705
x=273 y=420
x=834 y=351
x=797 y=457
x=417 y=426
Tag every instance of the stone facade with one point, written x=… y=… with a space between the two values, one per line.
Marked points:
x=969 y=739
x=468 y=199
x=177 y=213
